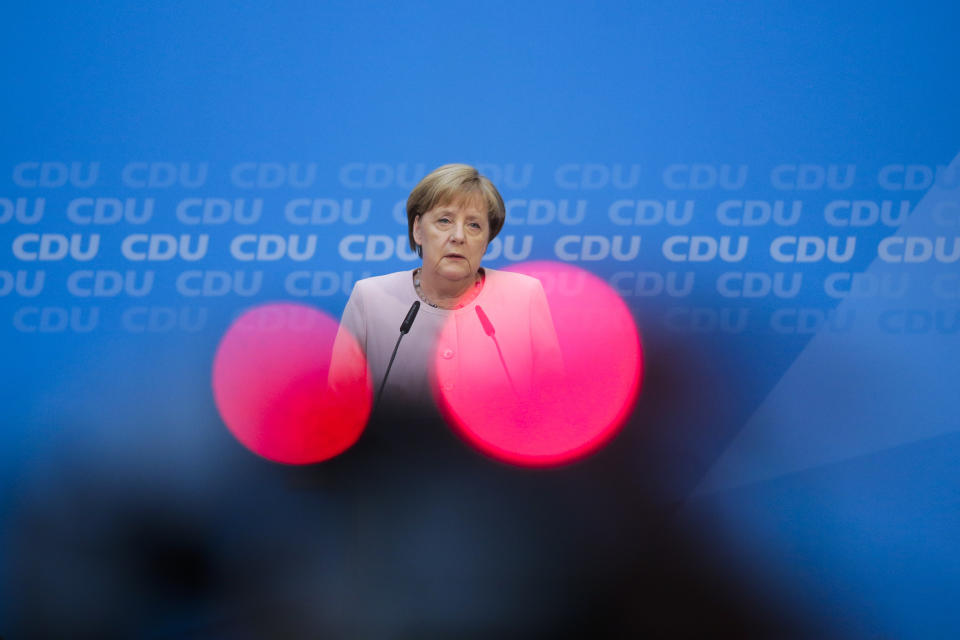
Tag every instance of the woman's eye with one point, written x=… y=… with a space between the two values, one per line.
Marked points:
x=475 y=225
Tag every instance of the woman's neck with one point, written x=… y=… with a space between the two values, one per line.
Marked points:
x=445 y=293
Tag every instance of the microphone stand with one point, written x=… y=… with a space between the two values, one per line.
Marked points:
x=404 y=328
x=490 y=331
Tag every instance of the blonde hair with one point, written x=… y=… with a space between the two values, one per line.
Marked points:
x=455 y=183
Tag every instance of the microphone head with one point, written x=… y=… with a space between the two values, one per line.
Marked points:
x=485 y=321
x=408 y=321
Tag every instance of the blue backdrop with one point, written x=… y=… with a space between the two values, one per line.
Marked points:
x=773 y=188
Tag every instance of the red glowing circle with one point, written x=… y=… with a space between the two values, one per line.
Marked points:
x=510 y=399
x=273 y=384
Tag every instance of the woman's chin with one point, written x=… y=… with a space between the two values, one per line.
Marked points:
x=455 y=272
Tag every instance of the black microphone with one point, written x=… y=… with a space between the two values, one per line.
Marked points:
x=485 y=322
x=490 y=331
x=408 y=321
x=404 y=329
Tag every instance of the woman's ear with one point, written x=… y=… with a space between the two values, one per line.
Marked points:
x=417 y=233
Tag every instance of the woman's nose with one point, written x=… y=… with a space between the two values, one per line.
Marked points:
x=458 y=232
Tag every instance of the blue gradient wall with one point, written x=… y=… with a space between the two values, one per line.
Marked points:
x=773 y=188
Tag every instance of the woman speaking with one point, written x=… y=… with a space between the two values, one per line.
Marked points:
x=478 y=332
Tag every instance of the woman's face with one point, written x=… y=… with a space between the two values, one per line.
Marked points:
x=454 y=238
